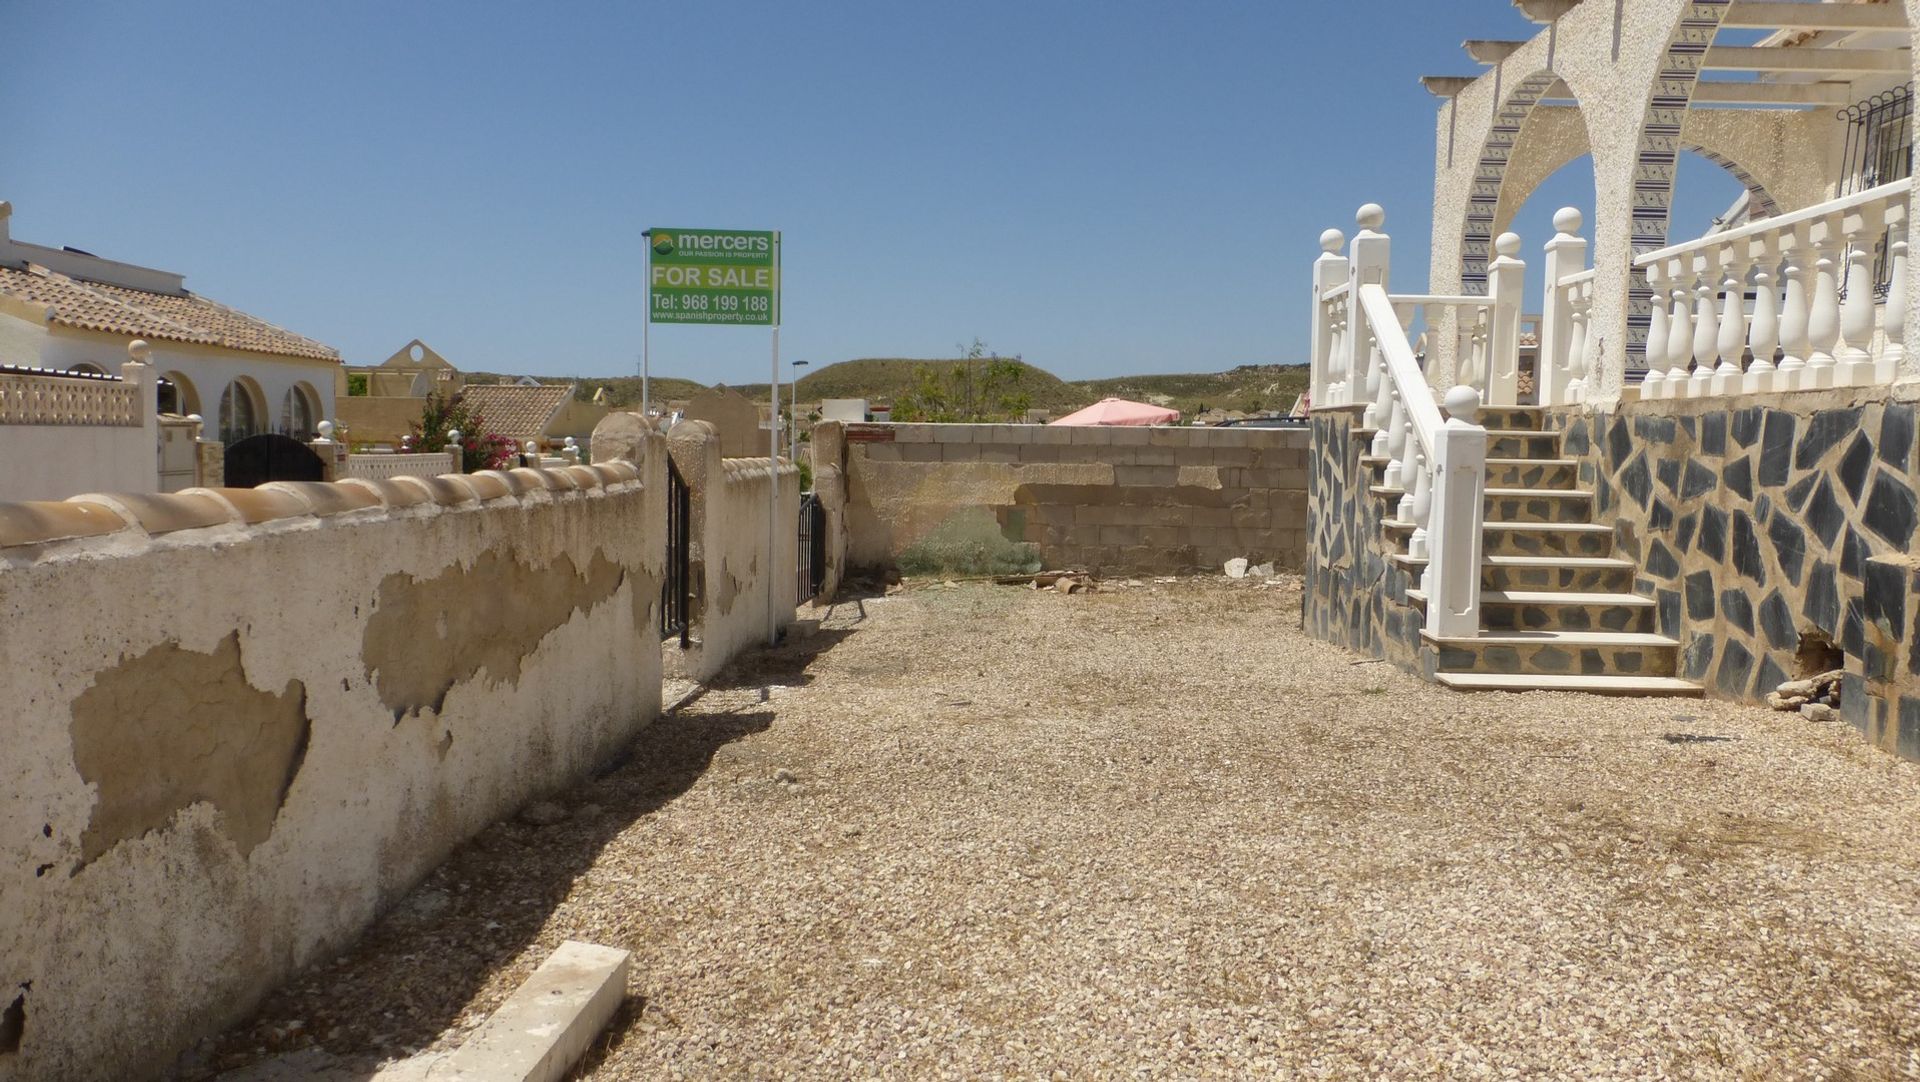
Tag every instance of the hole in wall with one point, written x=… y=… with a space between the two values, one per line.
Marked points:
x=1816 y=654
x=42 y=870
x=13 y=1024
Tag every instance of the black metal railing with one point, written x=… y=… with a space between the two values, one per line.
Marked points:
x=1879 y=150
x=676 y=589
x=813 y=546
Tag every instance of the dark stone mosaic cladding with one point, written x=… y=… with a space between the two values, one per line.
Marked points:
x=1355 y=595
x=1758 y=519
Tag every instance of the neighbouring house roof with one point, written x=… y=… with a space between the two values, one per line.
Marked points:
x=515 y=411
x=182 y=317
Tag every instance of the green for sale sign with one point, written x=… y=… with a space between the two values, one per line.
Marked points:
x=714 y=276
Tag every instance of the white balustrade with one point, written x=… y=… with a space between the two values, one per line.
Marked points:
x=58 y=399
x=424 y=464
x=1811 y=278
x=1362 y=356
x=1560 y=370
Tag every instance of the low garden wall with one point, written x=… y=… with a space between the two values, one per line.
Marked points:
x=239 y=722
x=977 y=499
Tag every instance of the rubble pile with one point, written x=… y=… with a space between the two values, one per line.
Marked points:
x=1817 y=698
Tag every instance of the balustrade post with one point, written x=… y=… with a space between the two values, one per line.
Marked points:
x=1566 y=256
x=1796 y=309
x=1582 y=309
x=1893 y=314
x=1680 y=326
x=1654 y=383
x=1452 y=578
x=1394 y=428
x=1732 y=342
x=138 y=374
x=1853 y=365
x=1369 y=256
x=1823 y=317
x=1506 y=288
x=1706 y=324
x=1379 y=386
x=1329 y=270
x=1420 y=508
x=1764 y=333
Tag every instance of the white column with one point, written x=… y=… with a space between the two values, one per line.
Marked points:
x=1566 y=255
x=138 y=374
x=1369 y=257
x=1329 y=269
x=1893 y=314
x=1733 y=320
x=1853 y=365
x=1582 y=311
x=1823 y=315
x=1506 y=292
x=1682 y=277
x=1706 y=323
x=1764 y=333
x=1655 y=383
x=1795 y=309
x=1452 y=580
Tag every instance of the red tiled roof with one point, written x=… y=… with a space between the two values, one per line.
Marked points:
x=517 y=412
x=185 y=317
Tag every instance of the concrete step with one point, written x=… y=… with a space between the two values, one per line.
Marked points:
x=1585 y=653
x=1546 y=539
x=1532 y=472
x=1592 y=685
x=1521 y=418
x=1538 y=505
x=1578 y=574
x=1558 y=610
x=1521 y=443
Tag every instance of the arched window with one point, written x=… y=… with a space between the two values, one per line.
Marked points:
x=177 y=395
x=298 y=412
x=239 y=413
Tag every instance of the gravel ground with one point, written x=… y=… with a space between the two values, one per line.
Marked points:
x=1157 y=832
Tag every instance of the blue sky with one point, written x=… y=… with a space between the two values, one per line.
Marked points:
x=1103 y=189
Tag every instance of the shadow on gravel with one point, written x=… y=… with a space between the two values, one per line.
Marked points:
x=409 y=976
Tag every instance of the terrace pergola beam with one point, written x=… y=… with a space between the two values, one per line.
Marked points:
x=1801 y=58
x=1775 y=15
x=1544 y=11
x=1489 y=50
x=1711 y=93
x=1446 y=86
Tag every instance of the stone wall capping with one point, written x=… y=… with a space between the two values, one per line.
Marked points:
x=166 y=512
x=326 y=499
x=391 y=492
x=40 y=522
x=610 y=474
x=252 y=506
x=583 y=476
x=624 y=471
x=445 y=490
x=485 y=485
x=515 y=484
x=541 y=480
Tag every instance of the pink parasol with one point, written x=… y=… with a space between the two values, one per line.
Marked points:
x=1119 y=411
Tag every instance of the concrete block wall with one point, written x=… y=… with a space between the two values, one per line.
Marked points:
x=239 y=722
x=741 y=591
x=975 y=498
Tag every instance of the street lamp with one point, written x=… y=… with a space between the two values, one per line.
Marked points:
x=793 y=404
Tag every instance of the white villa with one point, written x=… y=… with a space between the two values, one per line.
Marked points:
x=1709 y=487
x=69 y=310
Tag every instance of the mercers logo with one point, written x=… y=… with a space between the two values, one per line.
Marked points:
x=663 y=244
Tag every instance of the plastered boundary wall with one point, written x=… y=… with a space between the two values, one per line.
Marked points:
x=239 y=722
x=729 y=506
x=1113 y=499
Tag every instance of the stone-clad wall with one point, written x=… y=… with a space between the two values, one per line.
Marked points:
x=1755 y=519
x=927 y=497
x=1354 y=595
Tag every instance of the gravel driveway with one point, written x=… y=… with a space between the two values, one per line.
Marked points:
x=1157 y=832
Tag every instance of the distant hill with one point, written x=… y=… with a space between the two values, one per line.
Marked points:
x=1249 y=388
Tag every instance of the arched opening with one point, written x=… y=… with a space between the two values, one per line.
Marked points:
x=87 y=368
x=1490 y=175
x=299 y=412
x=177 y=395
x=240 y=411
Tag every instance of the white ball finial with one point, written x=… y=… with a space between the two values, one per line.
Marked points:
x=326 y=429
x=138 y=349
x=453 y=435
x=572 y=443
x=1462 y=403
x=1507 y=244
x=1567 y=220
x=1331 y=240
x=1371 y=217
x=533 y=447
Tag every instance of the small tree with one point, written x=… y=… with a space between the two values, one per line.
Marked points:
x=442 y=413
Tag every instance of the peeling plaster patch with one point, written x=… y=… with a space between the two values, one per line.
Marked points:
x=171 y=728
x=426 y=635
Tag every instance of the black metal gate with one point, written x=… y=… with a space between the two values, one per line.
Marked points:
x=677 y=588
x=258 y=459
x=813 y=545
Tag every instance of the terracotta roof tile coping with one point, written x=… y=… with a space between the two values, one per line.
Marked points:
x=39 y=522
